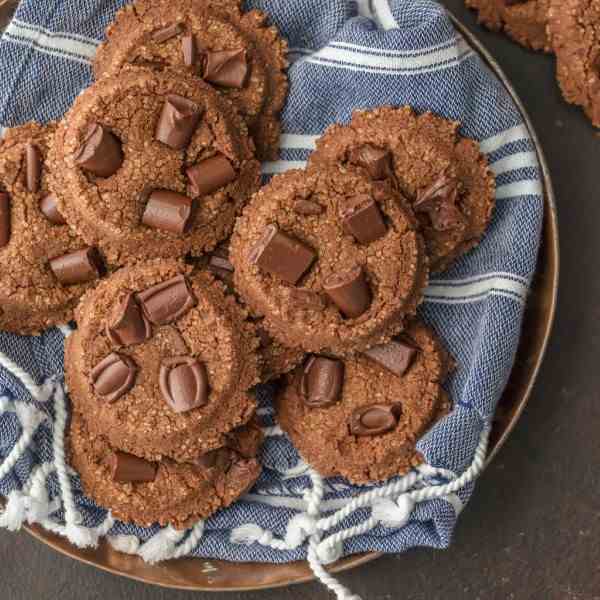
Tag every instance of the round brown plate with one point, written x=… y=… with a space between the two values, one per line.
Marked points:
x=214 y=575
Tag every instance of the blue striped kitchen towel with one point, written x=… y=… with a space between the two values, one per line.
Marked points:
x=344 y=55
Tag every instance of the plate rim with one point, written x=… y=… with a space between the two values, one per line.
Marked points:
x=102 y=558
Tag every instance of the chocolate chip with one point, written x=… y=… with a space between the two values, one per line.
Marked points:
x=80 y=266
x=374 y=420
x=227 y=68
x=168 y=211
x=362 y=218
x=177 y=122
x=183 y=383
x=49 y=208
x=377 y=161
x=282 y=255
x=127 y=468
x=349 y=291
x=127 y=324
x=167 y=301
x=33 y=167
x=396 y=356
x=322 y=381
x=166 y=33
x=307 y=207
x=305 y=299
x=4 y=219
x=114 y=376
x=100 y=152
x=210 y=175
x=439 y=202
x=188 y=48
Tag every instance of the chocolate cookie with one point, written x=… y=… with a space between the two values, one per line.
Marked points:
x=330 y=258
x=152 y=165
x=361 y=417
x=44 y=266
x=276 y=359
x=164 y=492
x=525 y=21
x=237 y=53
x=162 y=359
x=443 y=175
x=574 y=26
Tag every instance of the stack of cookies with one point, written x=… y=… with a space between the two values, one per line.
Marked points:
x=567 y=28
x=141 y=216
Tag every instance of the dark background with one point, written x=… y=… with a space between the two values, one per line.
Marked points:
x=532 y=528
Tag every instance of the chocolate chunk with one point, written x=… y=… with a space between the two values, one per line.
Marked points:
x=227 y=68
x=168 y=211
x=166 y=33
x=377 y=161
x=127 y=324
x=80 y=266
x=439 y=202
x=375 y=419
x=349 y=291
x=127 y=468
x=282 y=255
x=220 y=458
x=362 y=218
x=183 y=383
x=114 y=376
x=33 y=167
x=210 y=175
x=177 y=122
x=4 y=219
x=49 y=208
x=167 y=301
x=220 y=263
x=322 y=381
x=305 y=299
x=307 y=207
x=396 y=356
x=100 y=152
x=188 y=48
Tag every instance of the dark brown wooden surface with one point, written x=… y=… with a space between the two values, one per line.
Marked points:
x=531 y=530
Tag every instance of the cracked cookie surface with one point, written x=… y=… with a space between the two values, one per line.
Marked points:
x=161 y=361
x=166 y=492
x=525 y=21
x=32 y=233
x=444 y=176
x=161 y=133
x=135 y=38
x=366 y=430
x=574 y=26
x=332 y=260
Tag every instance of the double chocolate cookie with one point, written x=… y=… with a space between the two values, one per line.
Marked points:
x=44 y=266
x=525 y=21
x=361 y=417
x=150 y=165
x=331 y=259
x=161 y=361
x=444 y=176
x=237 y=53
x=574 y=26
x=164 y=492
